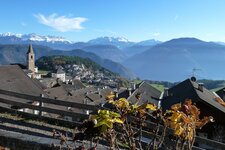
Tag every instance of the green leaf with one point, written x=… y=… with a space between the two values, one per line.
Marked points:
x=100 y=123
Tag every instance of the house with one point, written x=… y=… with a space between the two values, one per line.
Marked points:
x=82 y=96
x=148 y=94
x=98 y=97
x=70 y=86
x=59 y=74
x=204 y=99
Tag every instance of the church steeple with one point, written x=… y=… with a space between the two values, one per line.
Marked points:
x=30 y=49
x=30 y=59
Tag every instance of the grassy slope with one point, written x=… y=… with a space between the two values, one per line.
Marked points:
x=159 y=87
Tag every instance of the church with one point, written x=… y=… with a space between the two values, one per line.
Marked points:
x=32 y=70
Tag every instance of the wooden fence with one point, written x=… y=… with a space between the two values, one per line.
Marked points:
x=10 y=99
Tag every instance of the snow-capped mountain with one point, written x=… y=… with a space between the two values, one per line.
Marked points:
x=62 y=43
x=108 y=39
x=12 y=37
x=119 y=42
x=114 y=48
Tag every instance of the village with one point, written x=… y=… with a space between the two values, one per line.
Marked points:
x=21 y=86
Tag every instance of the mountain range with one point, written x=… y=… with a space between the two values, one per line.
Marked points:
x=111 y=48
x=173 y=60
x=178 y=59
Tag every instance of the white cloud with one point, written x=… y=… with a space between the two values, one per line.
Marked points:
x=61 y=23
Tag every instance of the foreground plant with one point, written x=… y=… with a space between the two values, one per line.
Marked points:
x=133 y=116
x=122 y=125
x=184 y=120
x=104 y=121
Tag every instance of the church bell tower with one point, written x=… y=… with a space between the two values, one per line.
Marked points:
x=30 y=59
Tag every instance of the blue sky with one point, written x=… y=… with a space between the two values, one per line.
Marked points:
x=136 y=20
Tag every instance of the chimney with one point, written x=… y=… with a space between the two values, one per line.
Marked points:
x=87 y=112
x=200 y=86
x=116 y=94
x=129 y=90
x=134 y=86
x=42 y=95
x=166 y=91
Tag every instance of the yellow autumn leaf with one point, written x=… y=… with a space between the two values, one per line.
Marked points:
x=111 y=101
x=122 y=103
x=175 y=117
x=176 y=107
x=117 y=120
x=110 y=96
x=178 y=130
x=151 y=107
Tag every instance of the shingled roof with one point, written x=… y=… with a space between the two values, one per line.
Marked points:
x=86 y=95
x=12 y=78
x=57 y=92
x=191 y=90
x=148 y=93
x=75 y=85
x=99 y=96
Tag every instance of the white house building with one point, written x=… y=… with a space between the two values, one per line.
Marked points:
x=59 y=74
